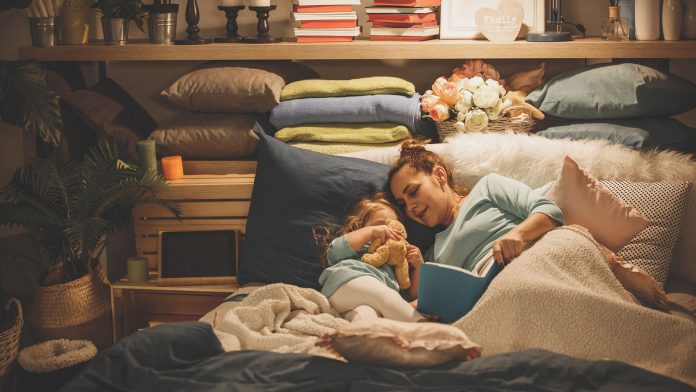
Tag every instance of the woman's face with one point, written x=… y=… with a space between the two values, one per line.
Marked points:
x=424 y=197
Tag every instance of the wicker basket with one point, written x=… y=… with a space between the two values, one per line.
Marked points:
x=523 y=122
x=80 y=309
x=9 y=345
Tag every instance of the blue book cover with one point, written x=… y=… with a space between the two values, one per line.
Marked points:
x=450 y=292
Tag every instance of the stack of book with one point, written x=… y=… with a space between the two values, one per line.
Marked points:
x=325 y=20
x=403 y=20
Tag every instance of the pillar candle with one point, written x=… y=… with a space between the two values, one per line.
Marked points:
x=259 y=3
x=146 y=154
x=172 y=168
x=232 y=3
x=137 y=269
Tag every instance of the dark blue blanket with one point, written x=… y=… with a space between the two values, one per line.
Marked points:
x=188 y=357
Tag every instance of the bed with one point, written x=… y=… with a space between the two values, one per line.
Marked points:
x=541 y=326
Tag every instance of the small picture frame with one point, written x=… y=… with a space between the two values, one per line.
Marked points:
x=205 y=257
x=458 y=17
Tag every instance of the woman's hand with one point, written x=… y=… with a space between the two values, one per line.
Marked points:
x=413 y=256
x=384 y=233
x=507 y=247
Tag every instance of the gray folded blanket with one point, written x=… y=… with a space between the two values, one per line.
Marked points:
x=397 y=109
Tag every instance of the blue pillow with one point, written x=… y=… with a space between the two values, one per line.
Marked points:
x=651 y=132
x=614 y=91
x=295 y=190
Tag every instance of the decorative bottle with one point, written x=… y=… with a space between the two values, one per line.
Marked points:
x=628 y=11
x=671 y=19
x=75 y=22
x=647 y=20
x=614 y=28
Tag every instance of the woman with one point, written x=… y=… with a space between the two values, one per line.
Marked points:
x=498 y=214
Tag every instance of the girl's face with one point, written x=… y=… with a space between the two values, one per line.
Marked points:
x=424 y=197
x=380 y=216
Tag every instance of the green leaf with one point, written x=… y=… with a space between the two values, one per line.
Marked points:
x=26 y=101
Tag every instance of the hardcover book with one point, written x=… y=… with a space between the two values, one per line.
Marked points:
x=450 y=292
x=325 y=15
x=324 y=39
x=399 y=10
x=404 y=25
x=406 y=31
x=323 y=24
x=322 y=8
x=344 y=32
x=407 y=3
x=402 y=18
x=326 y=2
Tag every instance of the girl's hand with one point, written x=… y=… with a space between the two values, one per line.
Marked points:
x=507 y=247
x=384 y=233
x=413 y=256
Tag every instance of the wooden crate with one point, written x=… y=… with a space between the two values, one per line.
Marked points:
x=207 y=201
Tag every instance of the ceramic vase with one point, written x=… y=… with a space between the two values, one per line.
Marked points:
x=689 y=20
x=74 y=29
x=671 y=19
x=647 y=20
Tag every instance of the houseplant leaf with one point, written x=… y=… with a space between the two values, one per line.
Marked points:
x=26 y=101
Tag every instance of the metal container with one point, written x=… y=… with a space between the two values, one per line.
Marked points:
x=44 y=31
x=115 y=30
x=161 y=27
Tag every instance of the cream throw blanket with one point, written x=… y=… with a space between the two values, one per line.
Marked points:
x=560 y=295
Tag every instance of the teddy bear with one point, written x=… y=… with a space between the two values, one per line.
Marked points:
x=391 y=252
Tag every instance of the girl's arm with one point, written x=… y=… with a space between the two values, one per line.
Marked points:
x=415 y=259
x=360 y=237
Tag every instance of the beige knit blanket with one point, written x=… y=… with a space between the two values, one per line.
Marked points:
x=560 y=295
x=280 y=318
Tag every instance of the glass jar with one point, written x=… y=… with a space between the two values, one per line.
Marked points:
x=614 y=28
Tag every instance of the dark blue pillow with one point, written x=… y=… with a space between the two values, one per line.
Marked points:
x=295 y=190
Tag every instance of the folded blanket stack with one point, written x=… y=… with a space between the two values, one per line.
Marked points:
x=342 y=116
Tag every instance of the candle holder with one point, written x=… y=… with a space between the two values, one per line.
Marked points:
x=192 y=18
x=231 y=13
x=262 y=36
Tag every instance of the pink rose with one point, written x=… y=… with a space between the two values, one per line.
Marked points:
x=473 y=68
x=438 y=84
x=428 y=100
x=439 y=112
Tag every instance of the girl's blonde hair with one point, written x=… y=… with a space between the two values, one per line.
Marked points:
x=415 y=155
x=356 y=217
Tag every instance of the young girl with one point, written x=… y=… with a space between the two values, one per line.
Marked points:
x=356 y=289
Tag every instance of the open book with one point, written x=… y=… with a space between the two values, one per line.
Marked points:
x=450 y=292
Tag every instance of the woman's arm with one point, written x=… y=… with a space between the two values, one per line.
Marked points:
x=510 y=245
x=415 y=259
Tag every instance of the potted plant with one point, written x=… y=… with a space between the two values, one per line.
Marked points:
x=116 y=16
x=70 y=206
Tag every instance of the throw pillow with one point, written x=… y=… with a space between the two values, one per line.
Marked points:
x=295 y=190
x=614 y=91
x=208 y=136
x=664 y=204
x=386 y=342
x=235 y=87
x=585 y=202
x=108 y=109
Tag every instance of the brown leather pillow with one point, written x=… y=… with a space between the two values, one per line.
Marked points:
x=208 y=136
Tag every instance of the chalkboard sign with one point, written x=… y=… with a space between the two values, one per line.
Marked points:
x=198 y=257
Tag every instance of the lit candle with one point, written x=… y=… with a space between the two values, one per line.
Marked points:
x=172 y=168
x=259 y=3
x=232 y=3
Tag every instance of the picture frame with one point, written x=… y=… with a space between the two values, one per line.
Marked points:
x=458 y=17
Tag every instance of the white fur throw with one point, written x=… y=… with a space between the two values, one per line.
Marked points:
x=536 y=160
x=56 y=354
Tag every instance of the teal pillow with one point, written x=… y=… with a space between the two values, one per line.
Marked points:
x=614 y=91
x=651 y=132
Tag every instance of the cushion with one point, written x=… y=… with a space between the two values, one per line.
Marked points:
x=386 y=342
x=585 y=202
x=614 y=91
x=648 y=132
x=109 y=110
x=374 y=85
x=294 y=191
x=374 y=133
x=664 y=204
x=288 y=70
x=208 y=136
x=343 y=148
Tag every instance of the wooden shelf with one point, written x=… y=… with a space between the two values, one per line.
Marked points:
x=364 y=49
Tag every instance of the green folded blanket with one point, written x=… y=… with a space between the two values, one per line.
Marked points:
x=340 y=148
x=318 y=88
x=371 y=133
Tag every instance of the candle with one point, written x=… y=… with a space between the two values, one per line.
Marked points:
x=146 y=154
x=259 y=3
x=232 y=3
x=172 y=168
x=137 y=269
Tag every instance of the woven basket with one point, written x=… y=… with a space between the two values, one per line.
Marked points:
x=80 y=309
x=522 y=123
x=9 y=344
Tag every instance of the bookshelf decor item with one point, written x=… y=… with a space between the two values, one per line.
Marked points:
x=231 y=13
x=502 y=24
x=193 y=16
x=262 y=27
x=458 y=18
